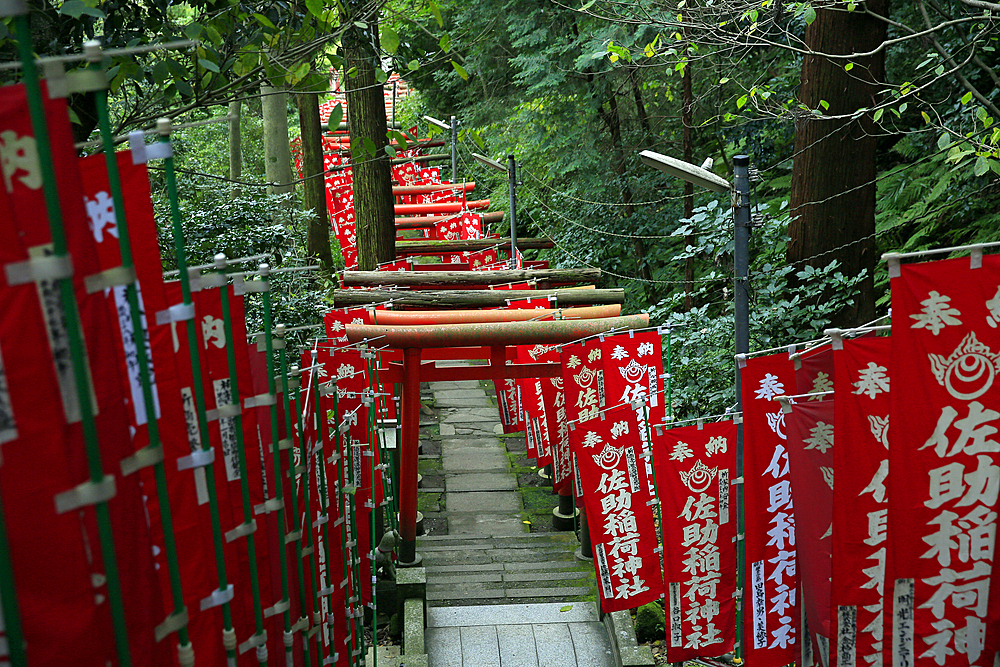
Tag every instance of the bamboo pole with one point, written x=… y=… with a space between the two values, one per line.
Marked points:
x=74 y=331
x=438 y=299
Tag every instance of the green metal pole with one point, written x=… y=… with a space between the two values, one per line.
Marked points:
x=341 y=455
x=139 y=335
x=295 y=535
x=198 y=394
x=234 y=398
x=314 y=543
x=74 y=333
x=300 y=551
x=11 y=614
x=309 y=549
x=324 y=500
x=355 y=601
x=269 y=345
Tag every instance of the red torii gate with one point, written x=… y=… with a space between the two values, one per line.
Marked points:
x=499 y=337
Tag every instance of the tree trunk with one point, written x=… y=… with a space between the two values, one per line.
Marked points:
x=612 y=119
x=833 y=175
x=373 y=201
x=277 y=154
x=313 y=190
x=235 y=149
x=687 y=121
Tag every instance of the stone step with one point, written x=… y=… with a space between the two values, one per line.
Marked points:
x=474 y=594
x=528 y=539
x=540 y=566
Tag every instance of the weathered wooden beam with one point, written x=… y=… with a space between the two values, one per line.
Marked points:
x=429 y=220
x=490 y=333
x=438 y=299
x=432 y=187
x=465 y=278
x=428 y=247
x=441 y=207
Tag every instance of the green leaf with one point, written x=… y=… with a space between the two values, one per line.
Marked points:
x=479 y=140
x=297 y=74
x=902 y=107
x=213 y=35
x=723 y=80
x=848 y=67
x=566 y=608
x=209 y=65
x=161 y=73
x=944 y=141
x=264 y=21
x=390 y=151
x=389 y=39
x=413 y=65
x=445 y=43
x=809 y=15
x=967 y=98
x=740 y=103
x=878 y=115
x=825 y=105
x=77 y=8
x=336 y=115
x=381 y=76
x=192 y=30
x=927 y=119
x=436 y=11
x=587 y=5
x=982 y=166
x=461 y=70
x=316 y=8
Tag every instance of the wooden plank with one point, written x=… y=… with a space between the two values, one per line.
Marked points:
x=467 y=278
x=474 y=298
x=428 y=247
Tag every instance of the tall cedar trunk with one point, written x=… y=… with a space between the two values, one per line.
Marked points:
x=687 y=121
x=612 y=119
x=373 y=202
x=235 y=149
x=833 y=175
x=277 y=154
x=313 y=190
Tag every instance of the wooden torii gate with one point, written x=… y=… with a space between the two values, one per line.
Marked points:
x=476 y=338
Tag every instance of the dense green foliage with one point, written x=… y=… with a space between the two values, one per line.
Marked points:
x=576 y=92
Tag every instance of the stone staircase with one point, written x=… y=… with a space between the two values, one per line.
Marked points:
x=505 y=569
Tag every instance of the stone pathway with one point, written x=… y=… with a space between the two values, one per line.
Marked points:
x=480 y=555
x=535 y=635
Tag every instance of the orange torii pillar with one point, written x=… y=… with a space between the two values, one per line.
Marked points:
x=497 y=336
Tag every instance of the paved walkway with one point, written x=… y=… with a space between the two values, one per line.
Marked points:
x=531 y=635
x=481 y=556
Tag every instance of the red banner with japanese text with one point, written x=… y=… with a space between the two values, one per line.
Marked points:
x=810 y=456
x=695 y=467
x=861 y=465
x=49 y=433
x=633 y=370
x=944 y=463
x=619 y=511
x=583 y=380
x=771 y=609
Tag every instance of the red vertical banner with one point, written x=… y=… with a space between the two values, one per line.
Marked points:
x=810 y=456
x=943 y=457
x=695 y=467
x=619 y=511
x=633 y=370
x=31 y=238
x=771 y=605
x=861 y=465
x=583 y=381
